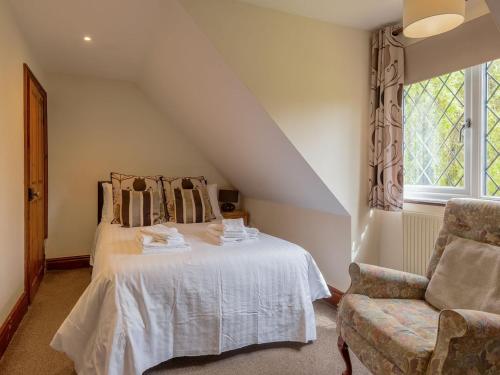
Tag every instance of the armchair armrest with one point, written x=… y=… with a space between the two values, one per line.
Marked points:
x=468 y=342
x=380 y=282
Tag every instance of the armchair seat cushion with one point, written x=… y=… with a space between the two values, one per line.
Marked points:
x=403 y=330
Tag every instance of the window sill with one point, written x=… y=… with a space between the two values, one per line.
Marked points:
x=426 y=202
x=434 y=195
x=442 y=202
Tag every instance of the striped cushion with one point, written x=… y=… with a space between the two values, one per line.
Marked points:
x=188 y=183
x=122 y=181
x=140 y=208
x=192 y=205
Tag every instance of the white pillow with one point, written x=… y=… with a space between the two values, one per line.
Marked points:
x=214 y=200
x=466 y=277
x=107 y=203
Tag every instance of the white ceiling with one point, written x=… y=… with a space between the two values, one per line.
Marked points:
x=122 y=30
x=361 y=14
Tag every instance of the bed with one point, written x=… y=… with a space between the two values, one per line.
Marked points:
x=140 y=310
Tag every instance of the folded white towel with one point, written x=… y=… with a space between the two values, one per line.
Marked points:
x=252 y=232
x=218 y=231
x=154 y=243
x=223 y=241
x=145 y=239
x=160 y=229
x=233 y=224
x=161 y=232
x=245 y=232
x=226 y=237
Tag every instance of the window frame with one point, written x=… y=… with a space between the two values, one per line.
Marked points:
x=475 y=89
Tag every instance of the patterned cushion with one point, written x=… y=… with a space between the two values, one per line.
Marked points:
x=192 y=205
x=140 y=208
x=402 y=330
x=183 y=183
x=134 y=183
x=474 y=219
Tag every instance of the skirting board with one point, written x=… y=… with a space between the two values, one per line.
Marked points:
x=336 y=296
x=9 y=327
x=68 y=263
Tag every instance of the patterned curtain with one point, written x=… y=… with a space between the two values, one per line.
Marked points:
x=386 y=121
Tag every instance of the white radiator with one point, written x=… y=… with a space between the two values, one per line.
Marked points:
x=420 y=231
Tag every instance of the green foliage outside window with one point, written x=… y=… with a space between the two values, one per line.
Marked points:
x=433 y=117
x=492 y=143
x=434 y=153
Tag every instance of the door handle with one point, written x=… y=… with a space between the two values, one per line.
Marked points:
x=32 y=194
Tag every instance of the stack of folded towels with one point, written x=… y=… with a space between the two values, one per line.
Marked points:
x=232 y=231
x=159 y=237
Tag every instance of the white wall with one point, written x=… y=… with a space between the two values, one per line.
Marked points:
x=318 y=232
x=312 y=77
x=97 y=126
x=13 y=53
x=390 y=225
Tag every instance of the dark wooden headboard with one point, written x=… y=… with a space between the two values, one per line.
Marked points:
x=100 y=199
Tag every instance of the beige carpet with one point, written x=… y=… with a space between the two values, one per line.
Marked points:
x=29 y=352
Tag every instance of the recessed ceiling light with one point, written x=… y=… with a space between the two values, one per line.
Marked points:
x=87 y=38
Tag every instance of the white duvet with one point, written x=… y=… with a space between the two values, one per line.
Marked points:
x=141 y=310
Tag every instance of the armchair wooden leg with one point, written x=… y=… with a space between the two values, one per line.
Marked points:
x=344 y=351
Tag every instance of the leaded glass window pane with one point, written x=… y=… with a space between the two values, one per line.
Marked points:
x=492 y=129
x=434 y=154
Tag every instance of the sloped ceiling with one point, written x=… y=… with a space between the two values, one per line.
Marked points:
x=361 y=14
x=494 y=6
x=180 y=70
x=186 y=76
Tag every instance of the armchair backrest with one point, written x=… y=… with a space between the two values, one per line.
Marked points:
x=474 y=219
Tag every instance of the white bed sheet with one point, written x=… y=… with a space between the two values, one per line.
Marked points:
x=141 y=310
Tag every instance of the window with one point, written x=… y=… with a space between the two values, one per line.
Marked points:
x=452 y=135
x=492 y=130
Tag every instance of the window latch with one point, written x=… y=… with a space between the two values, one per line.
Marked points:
x=467 y=125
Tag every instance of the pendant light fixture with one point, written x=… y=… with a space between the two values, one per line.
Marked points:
x=424 y=18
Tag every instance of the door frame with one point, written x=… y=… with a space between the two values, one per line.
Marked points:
x=27 y=77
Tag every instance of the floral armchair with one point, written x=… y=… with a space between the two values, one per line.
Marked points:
x=384 y=319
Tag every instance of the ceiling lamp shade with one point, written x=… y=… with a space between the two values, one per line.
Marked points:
x=424 y=18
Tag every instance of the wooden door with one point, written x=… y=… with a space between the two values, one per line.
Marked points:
x=35 y=118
